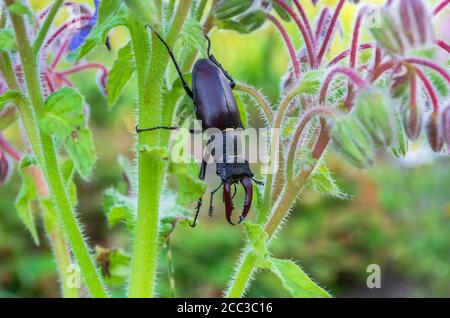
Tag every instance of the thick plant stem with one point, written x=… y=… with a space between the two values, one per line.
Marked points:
x=56 y=236
x=45 y=151
x=151 y=167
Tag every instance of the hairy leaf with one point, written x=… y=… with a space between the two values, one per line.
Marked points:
x=81 y=150
x=295 y=280
x=7 y=40
x=63 y=113
x=120 y=74
x=118 y=208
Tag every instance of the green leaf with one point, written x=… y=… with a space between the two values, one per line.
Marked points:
x=322 y=181
x=118 y=208
x=295 y=280
x=63 y=113
x=115 y=265
x=193 y=37
x=81 y=150
x=171 y=212
x=98 y=34
x=50 y=216
x=120 y=74
x=227 y=9
x=7 y=40
x=257 y=238
x=146 y=11
x=107 y=9
x=189 y=186
x=24 y=200
x=9 y=97
x=245 y=24
x=68 y=171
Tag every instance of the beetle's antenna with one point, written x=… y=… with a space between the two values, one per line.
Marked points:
x=180 y=73
x=257 y=181
x=213 y=59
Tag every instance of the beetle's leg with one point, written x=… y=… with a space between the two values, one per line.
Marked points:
x=247 y=184
x=228 y=201
x=213 y=59
x=257 y=181
x=180 y=73
x=138 y=130
x=200 y=200
x=211 y=207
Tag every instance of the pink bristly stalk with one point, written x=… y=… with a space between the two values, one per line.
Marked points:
x=429 y=88
x=9 y=149
x=79 y=68
x=289 y=44
x=442 y=44
x=381 y=69
x=329 y=33
x=431 y=65
x=440 y=6
x=66 y=25
x=321 y=22
x=308 y=41
x=60 y=54
x=355 y=39
x=351 y=74
x=305 y=20
x=344 y=54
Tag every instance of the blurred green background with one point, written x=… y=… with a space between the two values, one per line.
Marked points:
x=398 y=217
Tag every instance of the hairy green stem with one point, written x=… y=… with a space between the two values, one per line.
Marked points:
x=56 y=236
x=151 y=167
x=280 y=209
x=46 y=26
x=45 y=151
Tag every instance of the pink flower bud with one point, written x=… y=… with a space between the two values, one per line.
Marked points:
x=412 y=120
x=434 y=132
x=416 y=22
x=446 y=125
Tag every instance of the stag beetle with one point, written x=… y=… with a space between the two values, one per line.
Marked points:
x=215 y=106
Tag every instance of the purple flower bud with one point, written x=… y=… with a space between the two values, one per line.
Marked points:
x=446 y=125
x=412 y=120
x=416 y=22
x=5 y=168
x=434 y=132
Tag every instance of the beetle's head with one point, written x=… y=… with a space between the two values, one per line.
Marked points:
x=231 y=173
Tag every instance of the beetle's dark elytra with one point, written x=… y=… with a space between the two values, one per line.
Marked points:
x=214 y=101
